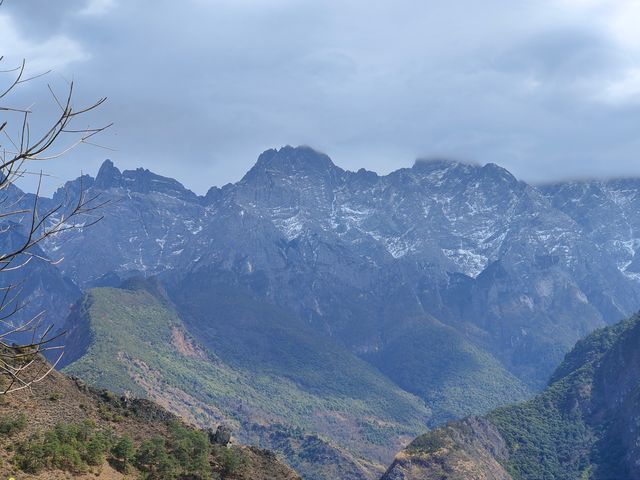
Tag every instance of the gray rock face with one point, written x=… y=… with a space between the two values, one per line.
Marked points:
x=518 y=271
x=36 y=295
x=221 y=435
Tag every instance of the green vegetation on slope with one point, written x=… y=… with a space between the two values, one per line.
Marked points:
x=558 y=435
x=138 y=344
x=453 y=376
x=65 y=429
x=583 y=426
x=545 y=442
x=70 y=447
x=77 y=448
x=12 y=424
x=428 y=359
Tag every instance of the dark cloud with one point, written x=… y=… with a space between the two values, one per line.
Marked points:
x=198 y=88
x=41 y=18
x=565 y=54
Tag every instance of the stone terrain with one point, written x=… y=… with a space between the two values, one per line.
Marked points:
x=458 y=284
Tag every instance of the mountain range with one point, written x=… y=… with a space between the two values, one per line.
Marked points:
x=351 y=310
x=584 y=425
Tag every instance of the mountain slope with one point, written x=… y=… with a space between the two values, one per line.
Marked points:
x=289 y=230
x=385 y=269
x=225 y=312
x=510 y=267
x=584 y=425
x=64 y=416
x=132 y=340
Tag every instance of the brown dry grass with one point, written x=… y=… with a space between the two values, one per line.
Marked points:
x=59 y=398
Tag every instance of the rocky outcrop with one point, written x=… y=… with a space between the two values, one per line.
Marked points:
x=469 y=450
x=220 y=436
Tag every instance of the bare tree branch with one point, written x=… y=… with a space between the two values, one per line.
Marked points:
x=32 y=221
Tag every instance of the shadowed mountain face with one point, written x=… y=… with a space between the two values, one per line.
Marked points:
x=456 y=284
x=34 y=293
x=584 y=424
x=517 y=270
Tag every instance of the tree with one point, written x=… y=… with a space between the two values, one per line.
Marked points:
x=124 y=452
x=23 y=217
x=191 y=449
x=153 y=459
x=231 y=461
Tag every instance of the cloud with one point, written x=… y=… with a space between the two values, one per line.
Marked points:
x=548 y=89
x=39 y=19
x=56 y=51
x=97 y=7
x=625 y=89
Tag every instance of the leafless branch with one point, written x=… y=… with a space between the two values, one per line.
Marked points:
x=26 y=217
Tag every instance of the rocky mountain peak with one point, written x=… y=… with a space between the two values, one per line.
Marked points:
x=436 y=163
x=288 y=160
x=109 y=176
x=440 y=171
x=442 y=166
x=140 y=180
x=497 y=173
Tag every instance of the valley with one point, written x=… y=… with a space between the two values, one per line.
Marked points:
x=332 y=315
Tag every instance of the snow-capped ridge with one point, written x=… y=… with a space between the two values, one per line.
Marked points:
x=439 y=163
x=140 y=180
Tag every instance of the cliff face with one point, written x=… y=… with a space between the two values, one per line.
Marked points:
x=584 y=424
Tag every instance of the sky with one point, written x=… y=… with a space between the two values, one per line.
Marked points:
x=197 y=89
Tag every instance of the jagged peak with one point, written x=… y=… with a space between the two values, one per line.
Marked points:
x=144 y=181
x=108 y=176
x=498 y=172
x=488 y=174
x=140 y=180
x=290 y=160
x=365 y=176
x=439 y=163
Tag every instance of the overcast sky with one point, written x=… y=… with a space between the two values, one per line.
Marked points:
x=549 y=89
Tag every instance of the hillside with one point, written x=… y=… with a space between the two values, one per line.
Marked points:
x=61 y=428
x=583 y=426
x=349 y=306
x=453 y=377
x=131 y=340
x=511 y=269
x=276 y=241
